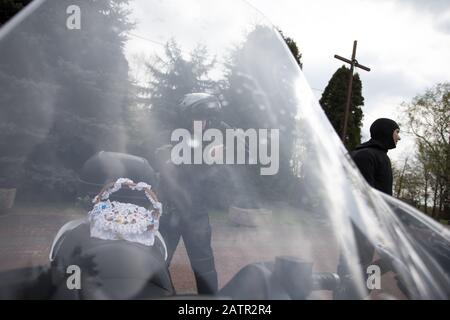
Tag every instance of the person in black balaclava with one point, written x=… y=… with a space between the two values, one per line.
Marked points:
x=371 y=156
x=374 y=164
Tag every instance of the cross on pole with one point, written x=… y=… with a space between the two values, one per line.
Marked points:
x=354 y=63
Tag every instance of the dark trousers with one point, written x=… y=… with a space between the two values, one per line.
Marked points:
x=193 y=225
x=365 y=253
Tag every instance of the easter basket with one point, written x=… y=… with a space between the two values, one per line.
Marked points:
x=113 y=220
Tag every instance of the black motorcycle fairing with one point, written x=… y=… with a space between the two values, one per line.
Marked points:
x=110 y=269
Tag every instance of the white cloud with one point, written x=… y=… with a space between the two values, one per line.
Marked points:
x=406 y=44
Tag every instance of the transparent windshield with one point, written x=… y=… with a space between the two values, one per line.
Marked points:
x=203 y=102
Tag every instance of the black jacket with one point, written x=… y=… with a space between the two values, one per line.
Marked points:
x=373 y=162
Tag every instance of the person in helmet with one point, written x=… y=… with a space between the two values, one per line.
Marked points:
x=185 y=188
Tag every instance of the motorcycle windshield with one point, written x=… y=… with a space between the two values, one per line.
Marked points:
x=203 y=101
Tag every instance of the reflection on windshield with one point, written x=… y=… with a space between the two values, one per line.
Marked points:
x=101 y=102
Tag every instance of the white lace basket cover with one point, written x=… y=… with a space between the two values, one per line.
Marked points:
x=112 y=220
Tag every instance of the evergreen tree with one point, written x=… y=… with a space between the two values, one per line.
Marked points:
x=254 y=100
x=8 y=8
x=333 y=102
x=294 y=49
x=62 y=92
x=173 y=76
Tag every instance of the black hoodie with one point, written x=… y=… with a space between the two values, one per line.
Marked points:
x=371 y=156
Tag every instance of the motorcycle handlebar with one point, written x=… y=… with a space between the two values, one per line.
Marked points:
x=325 y=281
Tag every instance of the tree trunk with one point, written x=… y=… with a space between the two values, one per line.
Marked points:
x=436 y=186
x=400 y=182
x=446 y=200
x=426 y=191
x=441 y=202
x=447 y=183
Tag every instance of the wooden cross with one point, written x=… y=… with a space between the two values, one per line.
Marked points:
x=354 y=63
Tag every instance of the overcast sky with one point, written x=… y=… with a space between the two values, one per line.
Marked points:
x=406 y=43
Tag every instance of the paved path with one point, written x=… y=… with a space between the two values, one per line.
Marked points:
x=26 y=234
